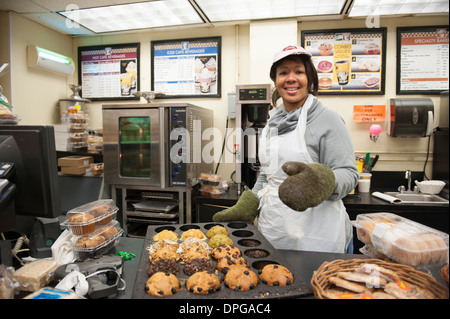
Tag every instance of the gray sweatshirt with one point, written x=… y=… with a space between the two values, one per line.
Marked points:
x=328 y=142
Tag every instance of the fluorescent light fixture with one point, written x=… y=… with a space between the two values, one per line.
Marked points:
x=364 y=8
x=229 y=10
x=49 y=60
x=134 y=16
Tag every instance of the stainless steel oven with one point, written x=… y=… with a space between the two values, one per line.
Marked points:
x=154 y=144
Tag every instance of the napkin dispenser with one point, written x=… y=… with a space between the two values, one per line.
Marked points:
x=411 y=117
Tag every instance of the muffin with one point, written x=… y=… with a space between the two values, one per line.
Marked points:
x=164 y=265
x=193 y=248
x=216 y=230
x=240 y=279
x=82 y=224
x=87 y=247
x=198 y=264
x=164 y=253
x=166 y=234
x=276 y=275
x=218 y=240
x=193 y=232
x=108 y=232
x=162 y=284
x=225 y=250
x=103 y=214
x=203 y=282
x=228 y=262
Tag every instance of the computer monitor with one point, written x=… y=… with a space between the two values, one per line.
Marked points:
x=36 y=176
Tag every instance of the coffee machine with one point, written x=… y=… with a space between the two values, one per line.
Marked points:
x=252 y=108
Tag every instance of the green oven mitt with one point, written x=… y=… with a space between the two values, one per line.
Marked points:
x=246 y=209
x=307 y=185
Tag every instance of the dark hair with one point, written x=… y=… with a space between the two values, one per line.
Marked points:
x=311 y=75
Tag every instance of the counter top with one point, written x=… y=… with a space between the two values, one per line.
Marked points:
x=302 y=262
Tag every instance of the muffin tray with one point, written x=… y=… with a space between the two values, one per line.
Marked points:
x=255 y=249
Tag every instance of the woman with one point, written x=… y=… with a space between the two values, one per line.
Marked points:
x=301 y=129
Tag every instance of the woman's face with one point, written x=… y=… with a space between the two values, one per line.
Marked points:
x=292 y=83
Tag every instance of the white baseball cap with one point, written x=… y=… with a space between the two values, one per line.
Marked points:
x=290 y=50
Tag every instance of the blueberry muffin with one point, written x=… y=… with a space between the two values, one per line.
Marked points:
x=198 y=264
x=240 y=279
x=162 y=284
x=203 y=282
x=226 y=263
x=225 y=250
x=276 y=275
x=164 y=265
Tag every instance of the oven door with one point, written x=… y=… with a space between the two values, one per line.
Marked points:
x=133 y=146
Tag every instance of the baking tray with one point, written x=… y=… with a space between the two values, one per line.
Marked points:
x=247 y=238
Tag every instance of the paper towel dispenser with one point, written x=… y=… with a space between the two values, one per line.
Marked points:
x=411 y=117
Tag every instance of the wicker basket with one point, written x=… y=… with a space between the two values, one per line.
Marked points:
x=320 y=283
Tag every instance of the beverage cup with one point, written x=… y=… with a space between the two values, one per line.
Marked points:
x=364 y=185
x=342 y=71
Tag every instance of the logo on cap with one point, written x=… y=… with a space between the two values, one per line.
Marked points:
x=290 y=47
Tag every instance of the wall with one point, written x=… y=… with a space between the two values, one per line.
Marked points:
x=247 y=51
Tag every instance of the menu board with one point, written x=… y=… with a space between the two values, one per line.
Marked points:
x=422 y=60
x=348 y=61
x=109 y=72
x=187 y=67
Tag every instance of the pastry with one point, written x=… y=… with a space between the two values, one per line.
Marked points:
x=228 y=262
x=82 y=224
x=375 y=270
x=193 y=248
x=87 y=247
x=368 y=280
x=164 y=265
x=164 y=253
x=215 y=230
x=219 y=239
x=193 y=232
x=240 y=279
x=325 y=48
x=166 y=234
x=103 y=214
x=276 y=275
x=108 y=232
x=352 y=286
x=404 y=290
x=444 y=273
x=225 y=250
x=162 y=284
x=203 y=282
x=198 y=264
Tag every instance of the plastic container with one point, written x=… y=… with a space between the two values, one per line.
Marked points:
x=98 y=242
x=212 y=191
x=210 y=179
x=84 y=219
x=430 y=187
x=402 y=240
x=97 y=168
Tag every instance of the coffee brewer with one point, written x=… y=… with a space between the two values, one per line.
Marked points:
x=252 y=107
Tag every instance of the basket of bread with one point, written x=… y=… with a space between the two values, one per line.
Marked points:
x=374 y=279
x=395 y=238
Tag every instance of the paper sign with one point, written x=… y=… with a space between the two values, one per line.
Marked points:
x=369 y=113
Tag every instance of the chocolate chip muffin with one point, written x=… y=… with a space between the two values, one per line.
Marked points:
x=240 y=279
x=226 y=263
x=276 y=275
x=198 y=264
x=164 y=265
x=225 y=250
x=203 y=282
x=162 y=284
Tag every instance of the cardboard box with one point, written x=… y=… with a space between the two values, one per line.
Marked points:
x=75 y=170
x=75 y=161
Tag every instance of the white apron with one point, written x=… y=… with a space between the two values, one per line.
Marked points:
x=322 y=228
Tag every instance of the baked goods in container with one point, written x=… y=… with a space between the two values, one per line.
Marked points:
x=405 y=290
x=225 y=250
x=164 y=265
x=162 y=284
x=108 y=231
x=219 y=239
x=203 y=282
x=193 y=232
x=215 y=230
x=166 y=234
x=35 y=275
x=82 y=224
x=103 y=214
x=240 y=279
x=444 y=273
x=198 y=264
x=276 y=275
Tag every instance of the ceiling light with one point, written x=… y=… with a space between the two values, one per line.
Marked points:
x=391 y=7
x=230 y=10
x=134 y=16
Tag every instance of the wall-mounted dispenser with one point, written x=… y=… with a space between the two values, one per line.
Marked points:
x=411 y=117
x=50 y=61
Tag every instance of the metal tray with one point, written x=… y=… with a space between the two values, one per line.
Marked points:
x=247 y=238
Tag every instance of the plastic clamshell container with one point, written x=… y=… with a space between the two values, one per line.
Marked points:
x=98 y=242
x=212 y=191
x=403 y=240
x=210 y=179
x=84 y=219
